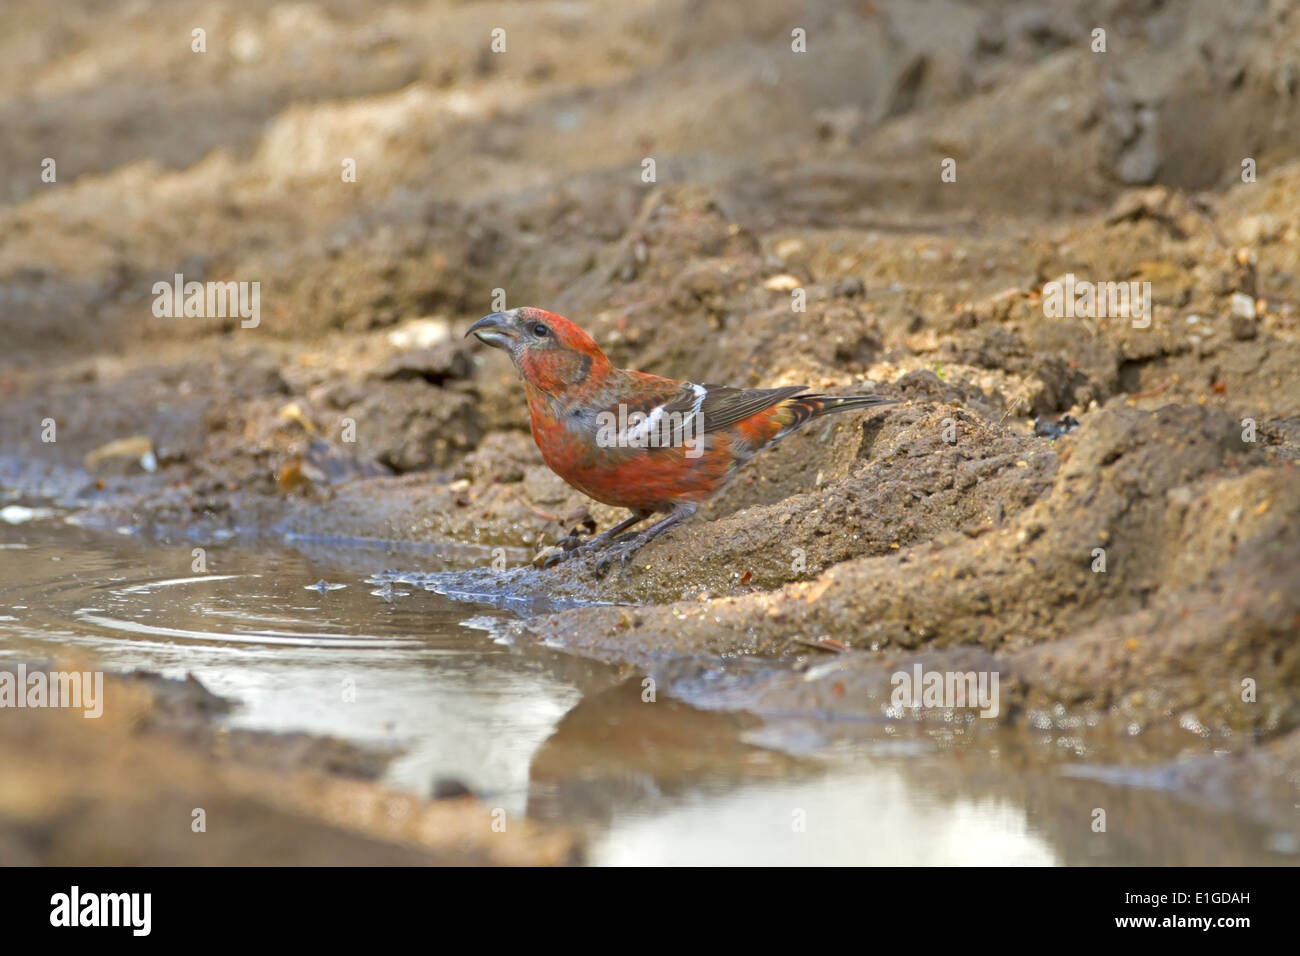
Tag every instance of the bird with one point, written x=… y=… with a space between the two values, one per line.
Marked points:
x=634 y=440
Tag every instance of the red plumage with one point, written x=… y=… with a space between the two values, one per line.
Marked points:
x=636 y=440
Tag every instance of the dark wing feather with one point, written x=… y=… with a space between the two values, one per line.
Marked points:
x=725 y=405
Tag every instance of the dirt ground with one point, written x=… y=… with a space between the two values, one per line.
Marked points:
x=941 y=529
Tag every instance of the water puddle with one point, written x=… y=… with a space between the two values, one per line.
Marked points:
x=314 y=637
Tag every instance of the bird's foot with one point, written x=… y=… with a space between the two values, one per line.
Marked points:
x=572 y=548
x=557 y=554
x=620 y=552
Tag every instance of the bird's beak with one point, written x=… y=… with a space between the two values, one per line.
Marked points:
x=494 y=330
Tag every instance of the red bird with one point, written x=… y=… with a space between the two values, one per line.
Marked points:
x=635 y=440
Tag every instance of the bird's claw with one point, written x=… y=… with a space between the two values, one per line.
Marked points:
x=622 y=553
x=567 y=548
x=555 y=557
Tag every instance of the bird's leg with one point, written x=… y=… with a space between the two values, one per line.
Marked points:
x=609 y=534
x=602 y=539
x=623 y=552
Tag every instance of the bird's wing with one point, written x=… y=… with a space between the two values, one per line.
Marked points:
x=721 y=405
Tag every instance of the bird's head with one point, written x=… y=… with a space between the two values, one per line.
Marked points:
x=549 y=351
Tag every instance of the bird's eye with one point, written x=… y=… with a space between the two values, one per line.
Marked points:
x=541 y=331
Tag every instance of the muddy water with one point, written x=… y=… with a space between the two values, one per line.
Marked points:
x=300 y=640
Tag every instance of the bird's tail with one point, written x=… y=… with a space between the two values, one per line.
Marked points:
x=804 y=408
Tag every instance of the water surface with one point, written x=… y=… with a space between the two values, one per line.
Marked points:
x=299 y=639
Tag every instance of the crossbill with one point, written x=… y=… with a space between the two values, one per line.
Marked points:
x=635 y=440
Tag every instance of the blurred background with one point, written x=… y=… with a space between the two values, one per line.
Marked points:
x=477 y=169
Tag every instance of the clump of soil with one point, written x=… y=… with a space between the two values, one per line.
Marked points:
x=1105 y=595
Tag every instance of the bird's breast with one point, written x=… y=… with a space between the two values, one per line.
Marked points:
x=653 y=478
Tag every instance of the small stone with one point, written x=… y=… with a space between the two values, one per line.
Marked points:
x=849 y=288
x=436 y=365
x=1244 y=327
x=782 y=283
x=1243 y=305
